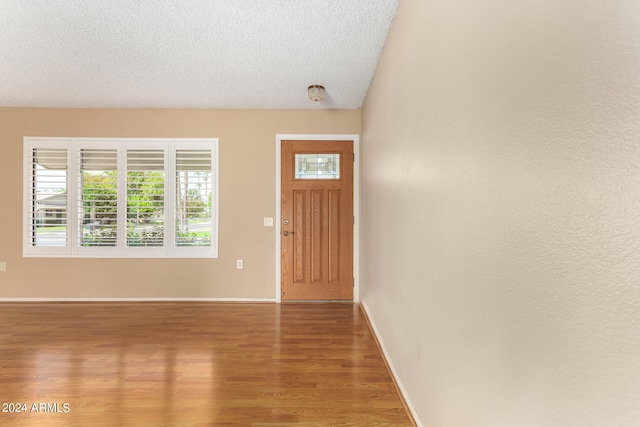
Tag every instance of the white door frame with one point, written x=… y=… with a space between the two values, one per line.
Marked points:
x=356 y=203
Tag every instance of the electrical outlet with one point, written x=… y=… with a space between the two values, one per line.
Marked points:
x=3 y=266
x=268 y=222
x=239 y=264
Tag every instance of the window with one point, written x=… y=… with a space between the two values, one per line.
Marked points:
x=120 y=198
x=317 y=166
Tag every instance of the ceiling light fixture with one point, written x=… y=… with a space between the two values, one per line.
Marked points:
x=316 y=93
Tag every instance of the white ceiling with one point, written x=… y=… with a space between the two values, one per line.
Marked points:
x=189 y=53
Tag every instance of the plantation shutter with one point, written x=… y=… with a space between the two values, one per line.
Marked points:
x=98 y=197
x=48 y=213
x=145 y=197
x=194 y=188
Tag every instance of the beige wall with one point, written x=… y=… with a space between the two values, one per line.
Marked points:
x=500 y=253
x=247 y=194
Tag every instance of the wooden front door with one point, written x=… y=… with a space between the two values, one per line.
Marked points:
x=317 y=220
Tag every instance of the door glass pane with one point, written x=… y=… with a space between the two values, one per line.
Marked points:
x=317 y=166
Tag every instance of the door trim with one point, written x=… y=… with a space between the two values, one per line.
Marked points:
x=356 y=203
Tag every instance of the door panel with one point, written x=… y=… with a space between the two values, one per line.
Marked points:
x=299 y=225
x=334 y=236
x=317 y=236
x=317 y=220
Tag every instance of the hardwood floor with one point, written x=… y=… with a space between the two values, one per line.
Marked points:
x=192 y=364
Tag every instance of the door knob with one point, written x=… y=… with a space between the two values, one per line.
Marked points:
x=286 y=233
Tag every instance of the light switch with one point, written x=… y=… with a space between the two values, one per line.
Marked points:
x=268 y=222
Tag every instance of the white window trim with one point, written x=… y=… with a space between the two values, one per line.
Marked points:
x=72 y=249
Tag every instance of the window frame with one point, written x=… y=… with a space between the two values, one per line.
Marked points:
x=74 y=248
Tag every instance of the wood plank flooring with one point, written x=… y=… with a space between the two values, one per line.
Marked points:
x=192 y=364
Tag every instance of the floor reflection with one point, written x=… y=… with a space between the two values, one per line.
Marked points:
x=172 y=364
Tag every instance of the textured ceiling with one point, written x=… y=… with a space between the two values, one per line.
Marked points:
x=189 y=53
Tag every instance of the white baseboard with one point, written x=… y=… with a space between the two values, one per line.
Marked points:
x=390 y=364
x=161 y=299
